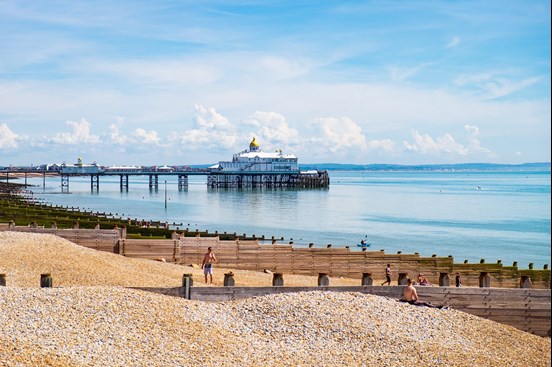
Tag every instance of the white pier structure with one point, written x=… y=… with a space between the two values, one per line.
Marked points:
x=255 y=168
x=250 y=168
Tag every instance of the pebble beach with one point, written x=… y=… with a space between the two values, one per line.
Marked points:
x=89 y=318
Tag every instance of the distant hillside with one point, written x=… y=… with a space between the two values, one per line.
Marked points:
x=537 y=166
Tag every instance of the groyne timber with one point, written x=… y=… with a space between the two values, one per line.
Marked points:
x=487 y=290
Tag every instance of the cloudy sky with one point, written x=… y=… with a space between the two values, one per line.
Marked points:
x=191 y=82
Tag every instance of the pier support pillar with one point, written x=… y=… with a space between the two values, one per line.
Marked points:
x=154 y=181
x=182 y=182
x=123 y=182
x=64 y=183
x=95 y=183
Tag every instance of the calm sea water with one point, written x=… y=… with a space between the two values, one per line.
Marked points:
x=469 y=215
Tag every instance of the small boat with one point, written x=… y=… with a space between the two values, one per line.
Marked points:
x=365 y=244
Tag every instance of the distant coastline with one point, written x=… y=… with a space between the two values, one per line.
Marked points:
x=532 y=167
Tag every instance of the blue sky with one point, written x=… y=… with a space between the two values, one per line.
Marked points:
x=191 y=82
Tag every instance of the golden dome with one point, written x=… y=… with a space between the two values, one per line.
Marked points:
x=254 y=143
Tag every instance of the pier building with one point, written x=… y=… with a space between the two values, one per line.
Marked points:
x=256 y=168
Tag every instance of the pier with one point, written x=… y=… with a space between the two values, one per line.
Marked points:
x=215 y=179
x=250 y=168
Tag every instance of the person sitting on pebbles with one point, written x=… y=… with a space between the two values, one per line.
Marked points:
x=411 y=296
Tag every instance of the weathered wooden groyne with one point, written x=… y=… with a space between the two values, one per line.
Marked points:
x=525 y=309
x=287 y=259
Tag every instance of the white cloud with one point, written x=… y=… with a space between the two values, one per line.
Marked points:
x=8 y=139
x=338 y=134
x=446 y=144
x=209 y=118
x=475 y=144
x=113 y=133
x=473 y=130
x=146 y=137
x=425 y=144
x=80 y=133
x=212 y=130
x=273 y=129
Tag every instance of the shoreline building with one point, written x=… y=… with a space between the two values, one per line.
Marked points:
x=255 y=168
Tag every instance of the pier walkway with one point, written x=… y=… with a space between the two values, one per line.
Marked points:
x=215 y=178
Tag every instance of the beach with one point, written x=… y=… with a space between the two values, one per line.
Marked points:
x=89 y=318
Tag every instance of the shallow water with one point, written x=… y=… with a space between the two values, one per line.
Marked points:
x=469 y=215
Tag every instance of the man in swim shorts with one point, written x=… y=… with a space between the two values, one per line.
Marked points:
x=207 y=264
x=411 y=296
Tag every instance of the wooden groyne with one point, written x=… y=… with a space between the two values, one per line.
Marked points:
x=525 y=309
x=287 y=259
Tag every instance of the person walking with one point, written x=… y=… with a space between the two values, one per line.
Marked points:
x=207 y=264
x=387 y=275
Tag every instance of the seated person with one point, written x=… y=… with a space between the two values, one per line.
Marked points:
x=422 y=280
x=411 y=296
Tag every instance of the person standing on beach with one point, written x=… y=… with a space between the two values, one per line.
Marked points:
x=458 y=282
x=207 y=264
x=387 y=275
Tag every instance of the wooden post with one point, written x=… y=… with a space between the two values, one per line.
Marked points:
x=525 y=282
x=46 y=280
x=367 y=279
x=2 y=280
x=187 y=282
x=402 y=278
x=277 y=279
x=323 y=280
x=444 y=280
x=229 y=279
x=484 y=280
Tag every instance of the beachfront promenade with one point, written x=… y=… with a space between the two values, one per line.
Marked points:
x=519 y=297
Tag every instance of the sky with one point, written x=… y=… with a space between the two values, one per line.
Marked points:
x=192 y=82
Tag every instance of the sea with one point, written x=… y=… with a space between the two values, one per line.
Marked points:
x=469 y=215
